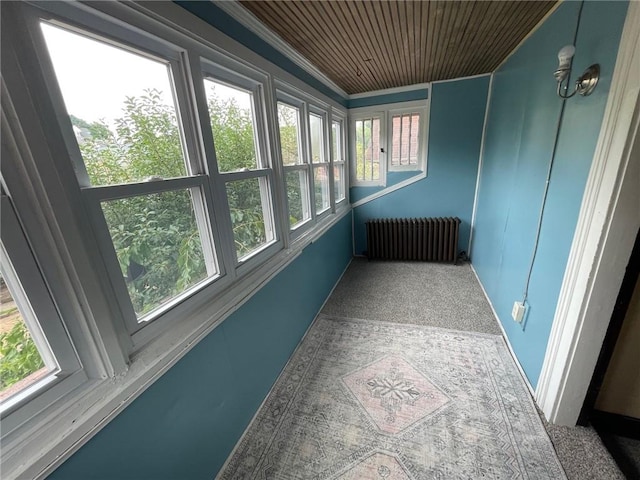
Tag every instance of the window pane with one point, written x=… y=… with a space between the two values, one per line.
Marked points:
x=121 y=107
x=368 y=149
x=21 y=363
x=297 y=193
x=246 y=200
x=338 y=182
x=336 y=141
x=289 y=134
x=232 y=123
x=321 y=184
x=404 y=149
x=158 y=245
x=316 y=126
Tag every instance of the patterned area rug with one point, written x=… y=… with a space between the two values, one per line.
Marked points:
x=383 y=401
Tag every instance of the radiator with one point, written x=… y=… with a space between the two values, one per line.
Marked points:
x=421 y=239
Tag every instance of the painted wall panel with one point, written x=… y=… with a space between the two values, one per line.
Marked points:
x=455 y=133
x=521 y=129
x=185 y=425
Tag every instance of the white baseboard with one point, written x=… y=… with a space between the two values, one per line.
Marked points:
x=504 y=335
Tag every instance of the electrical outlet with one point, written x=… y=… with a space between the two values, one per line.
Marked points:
x=518 y=311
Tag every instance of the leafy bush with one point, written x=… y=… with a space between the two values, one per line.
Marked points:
x=19 y=356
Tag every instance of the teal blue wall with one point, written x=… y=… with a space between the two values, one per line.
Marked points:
x=393 y=178
x=455 y=134
x=228 y=25
x=185 y=425
x=520 y=133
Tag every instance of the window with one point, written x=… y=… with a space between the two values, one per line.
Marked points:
x=307 y=157
x=296 y=170
x=135 y=162
x=320 y=160
x=338 y=156
x=369 y=153
x=36 y=357
x=241 y=162
x=406 y=142
x=405 y=129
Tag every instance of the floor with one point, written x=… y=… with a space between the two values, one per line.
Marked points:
x=449 y=296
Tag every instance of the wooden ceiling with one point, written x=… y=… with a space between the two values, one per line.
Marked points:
x=365 y=45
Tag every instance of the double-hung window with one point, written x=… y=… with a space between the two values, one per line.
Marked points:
x=320 y=160
x=307 y=158
x=235 y=105
x=138 y=165
x=295 y=163
x=338 y=156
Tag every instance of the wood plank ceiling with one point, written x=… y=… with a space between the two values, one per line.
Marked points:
x=366 y=45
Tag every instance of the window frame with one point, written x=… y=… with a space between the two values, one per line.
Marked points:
x=225 y=70
x=196 y=179
x=360 y=115
x=421 y=110
x=326 y=155
x=284 y=96
x=386 y=112
x=342 y=149
x=19 y=264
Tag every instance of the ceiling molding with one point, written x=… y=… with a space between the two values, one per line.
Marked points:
x=388 y=91
x=469 y=77
x=251 y=22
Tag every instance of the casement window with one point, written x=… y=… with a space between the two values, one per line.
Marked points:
x=387 y=141
x=169 y=178
x=338 y=153
x=368 y=152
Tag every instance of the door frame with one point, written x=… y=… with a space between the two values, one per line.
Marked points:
x=605 y=233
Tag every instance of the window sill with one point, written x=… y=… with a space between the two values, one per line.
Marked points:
x=61 y=431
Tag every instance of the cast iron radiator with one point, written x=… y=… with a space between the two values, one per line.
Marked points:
x=422 y=239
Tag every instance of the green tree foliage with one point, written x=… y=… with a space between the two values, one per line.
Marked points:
x=288 y=125
x=156 y=237
x=233 y=138
x=19 y=356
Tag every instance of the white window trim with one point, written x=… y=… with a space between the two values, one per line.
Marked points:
x=307 y=104
x=386 y=112
x=343 y=155
x=56 y=433
x=361 y=114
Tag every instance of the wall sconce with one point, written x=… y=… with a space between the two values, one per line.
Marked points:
x=584 y=85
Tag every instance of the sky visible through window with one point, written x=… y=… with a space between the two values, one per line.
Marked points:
x=96 y=78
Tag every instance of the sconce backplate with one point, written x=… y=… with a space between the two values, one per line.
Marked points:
x=588 y=81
